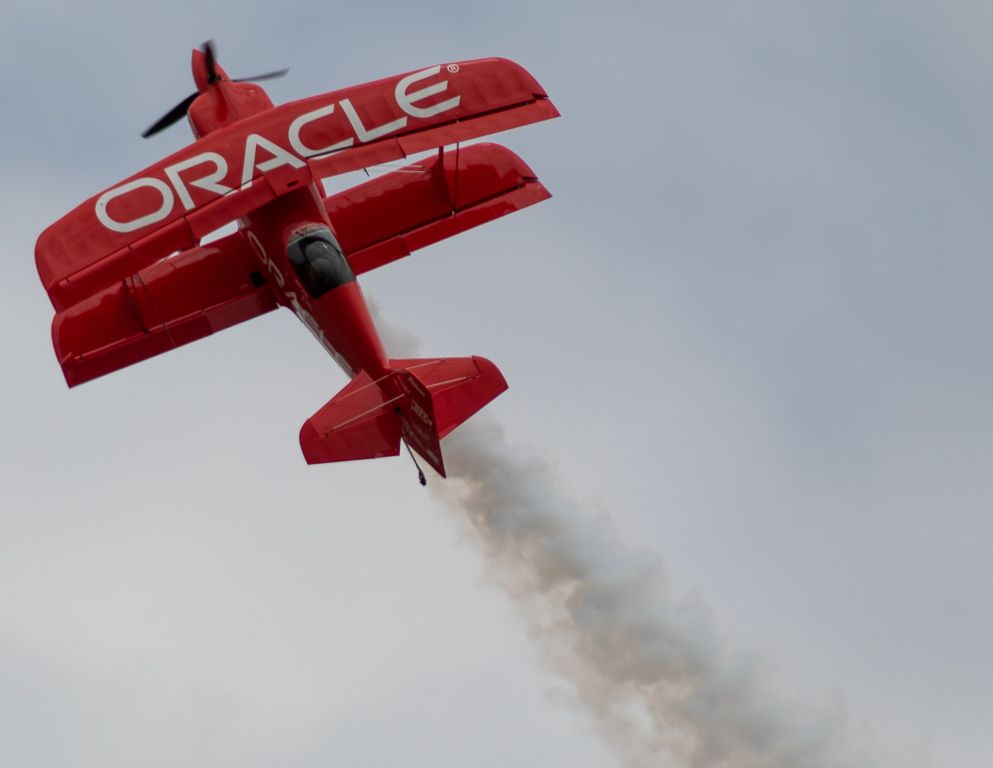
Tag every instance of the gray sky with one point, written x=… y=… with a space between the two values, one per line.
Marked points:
x=753 y=326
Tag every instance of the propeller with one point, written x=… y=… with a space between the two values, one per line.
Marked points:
x=213 y=76
x=173 y=115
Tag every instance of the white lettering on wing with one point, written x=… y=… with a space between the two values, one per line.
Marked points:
x=176 y=186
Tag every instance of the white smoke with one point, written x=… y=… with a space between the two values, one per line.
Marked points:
x=661 y=685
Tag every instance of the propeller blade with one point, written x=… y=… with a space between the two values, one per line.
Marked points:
x=266 y=76
x=211 y=60
x=173 y=115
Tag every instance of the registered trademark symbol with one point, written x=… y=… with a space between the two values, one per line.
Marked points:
x=453 y=68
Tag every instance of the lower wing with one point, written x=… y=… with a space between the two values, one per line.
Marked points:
x=389 y=217
x=178 y=300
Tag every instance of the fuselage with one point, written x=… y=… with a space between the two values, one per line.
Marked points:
x=339 y=317
x=331 y=305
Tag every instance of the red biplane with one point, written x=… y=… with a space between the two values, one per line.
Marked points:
x=129 y=279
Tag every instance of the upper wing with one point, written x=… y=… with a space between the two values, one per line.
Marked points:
x=228 y=173
x=385 y=219
x=181 y=299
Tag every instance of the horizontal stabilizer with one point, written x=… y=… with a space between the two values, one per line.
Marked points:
x=459 y=386
x=357 y=423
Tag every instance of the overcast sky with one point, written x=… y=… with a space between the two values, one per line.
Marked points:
x=753 y=327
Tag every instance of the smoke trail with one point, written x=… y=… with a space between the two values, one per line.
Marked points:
x=660 y=683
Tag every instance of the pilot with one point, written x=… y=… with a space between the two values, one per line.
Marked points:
x=320 y=265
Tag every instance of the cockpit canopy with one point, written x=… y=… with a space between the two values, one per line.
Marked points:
x=318 y=261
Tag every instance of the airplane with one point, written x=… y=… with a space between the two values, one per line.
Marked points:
x=130 y=275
